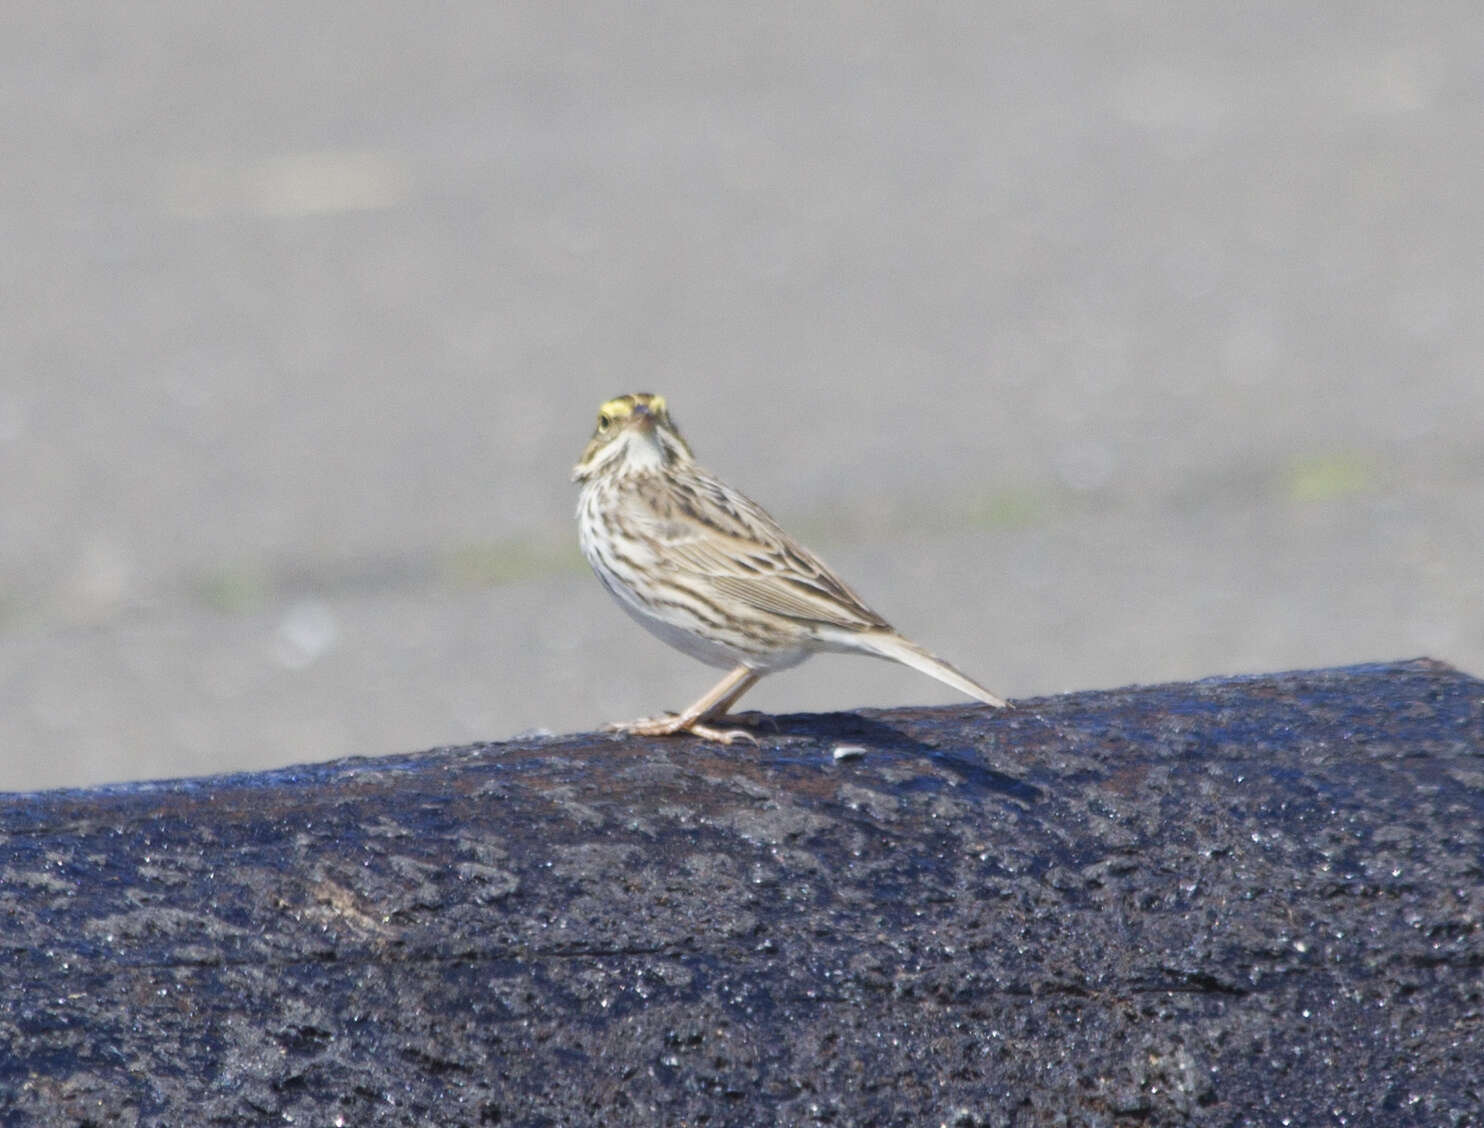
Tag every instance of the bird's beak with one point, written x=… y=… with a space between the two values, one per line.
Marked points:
x=643 y=418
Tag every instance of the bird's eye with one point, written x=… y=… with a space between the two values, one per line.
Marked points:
x=604 y=422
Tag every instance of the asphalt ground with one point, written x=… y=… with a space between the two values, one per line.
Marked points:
x=1093 y=344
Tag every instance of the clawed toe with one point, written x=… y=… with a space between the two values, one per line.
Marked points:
x=646 y=726
x=672 y=724
x=722 y=736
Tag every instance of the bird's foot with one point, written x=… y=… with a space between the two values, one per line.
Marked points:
x=672 y=723
x=723 y=736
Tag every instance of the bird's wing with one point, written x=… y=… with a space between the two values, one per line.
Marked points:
x=706 y=529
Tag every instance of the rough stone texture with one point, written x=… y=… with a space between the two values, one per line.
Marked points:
x=1251 y=901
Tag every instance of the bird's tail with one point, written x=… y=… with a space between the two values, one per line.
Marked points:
x=898 y=649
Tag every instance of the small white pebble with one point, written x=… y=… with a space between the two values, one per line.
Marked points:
x=848 y=752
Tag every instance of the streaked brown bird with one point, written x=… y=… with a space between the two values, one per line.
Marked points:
x=706 y=569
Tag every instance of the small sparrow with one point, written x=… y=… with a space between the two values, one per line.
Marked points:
x=706 y=569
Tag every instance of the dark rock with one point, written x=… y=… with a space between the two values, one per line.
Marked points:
x=1253 y=900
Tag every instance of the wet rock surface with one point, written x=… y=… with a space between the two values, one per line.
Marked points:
x=1235 y=901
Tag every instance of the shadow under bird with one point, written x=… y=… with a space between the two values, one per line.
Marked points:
x=709 y=571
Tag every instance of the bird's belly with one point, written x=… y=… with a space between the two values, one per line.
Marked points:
x=687 y=642
x=722 y=648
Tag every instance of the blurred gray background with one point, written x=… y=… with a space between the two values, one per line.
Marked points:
x=1092 y=342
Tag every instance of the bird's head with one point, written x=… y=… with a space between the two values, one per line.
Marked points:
x=634 y=432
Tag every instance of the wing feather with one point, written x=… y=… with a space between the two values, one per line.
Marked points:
x=703 y=528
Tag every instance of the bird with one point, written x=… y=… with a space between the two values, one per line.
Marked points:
x=705 y=568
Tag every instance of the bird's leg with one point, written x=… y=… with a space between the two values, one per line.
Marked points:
x=716 y=701
x=719 y=711
x=721 y=707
